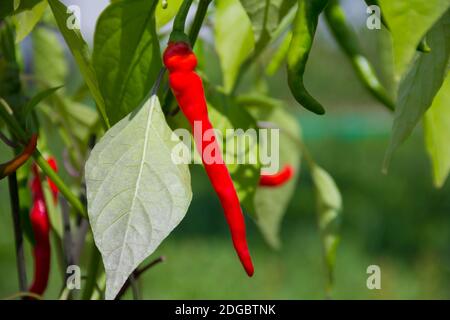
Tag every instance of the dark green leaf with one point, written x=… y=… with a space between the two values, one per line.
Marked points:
x=126 y=55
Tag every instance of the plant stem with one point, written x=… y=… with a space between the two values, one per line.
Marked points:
x=63 y=188
x=135 y=288
x=6 y=141
x=198 y=20
x=19 y=132
x=91 y=280
x=180 y=18
x=15 y=210
x=136 y=274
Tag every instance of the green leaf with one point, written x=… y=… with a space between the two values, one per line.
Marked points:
x=126 y=55
x=136 y=194
x=234 y=39
x=27 y=20
x=271 y=203
x=163 y=16
x=409 y=20
x=437 y=134
x=420 y=85
x=10 y=84
x=80 y=52
x=329 y=208
x=264 y=16
x=35 y=100
x=9 y=7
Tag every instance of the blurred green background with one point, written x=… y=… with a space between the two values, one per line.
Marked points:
x=396 y=221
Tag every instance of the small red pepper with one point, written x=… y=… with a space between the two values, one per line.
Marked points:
x=52 y=162
x=278 y=179
x=41 y=230
x=188 y=90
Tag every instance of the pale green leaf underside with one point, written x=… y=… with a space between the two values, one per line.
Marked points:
x=234 y=39
x=437 y=134
x=408 y=21
x=136 y=194
x=420 y=84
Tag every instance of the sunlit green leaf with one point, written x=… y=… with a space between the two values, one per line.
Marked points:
x=409 y=20
x=136 y=194
x=9 y=7
x=420 y=85
x=437 y=134
x=27 y=20
x=234 y=39
x=163 y=16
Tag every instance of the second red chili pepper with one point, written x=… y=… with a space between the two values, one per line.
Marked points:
x=278 y=179
x=41 y=230
x=188 y=90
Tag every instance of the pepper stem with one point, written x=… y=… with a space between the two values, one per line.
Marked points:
x=178 y=34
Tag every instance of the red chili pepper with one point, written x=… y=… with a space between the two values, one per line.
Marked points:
x=41 y=229
x=9 y=167
x=188 y=89
x=278 y=179
x=52 y=162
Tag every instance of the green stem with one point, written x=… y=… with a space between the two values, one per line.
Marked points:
x=180 y=18
x=178 y=33
x=198 y=20
x=15 y=210
x=20 y=134
x=91 y=280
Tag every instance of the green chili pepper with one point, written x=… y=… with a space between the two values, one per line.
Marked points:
x=348 y=41
x=304 y=29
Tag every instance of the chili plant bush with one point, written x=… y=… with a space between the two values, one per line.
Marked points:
x=118 y=116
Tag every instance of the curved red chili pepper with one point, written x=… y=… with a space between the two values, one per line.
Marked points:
x=41 y=230
x=278 y=179
x=188 y=89
x=14 y=164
